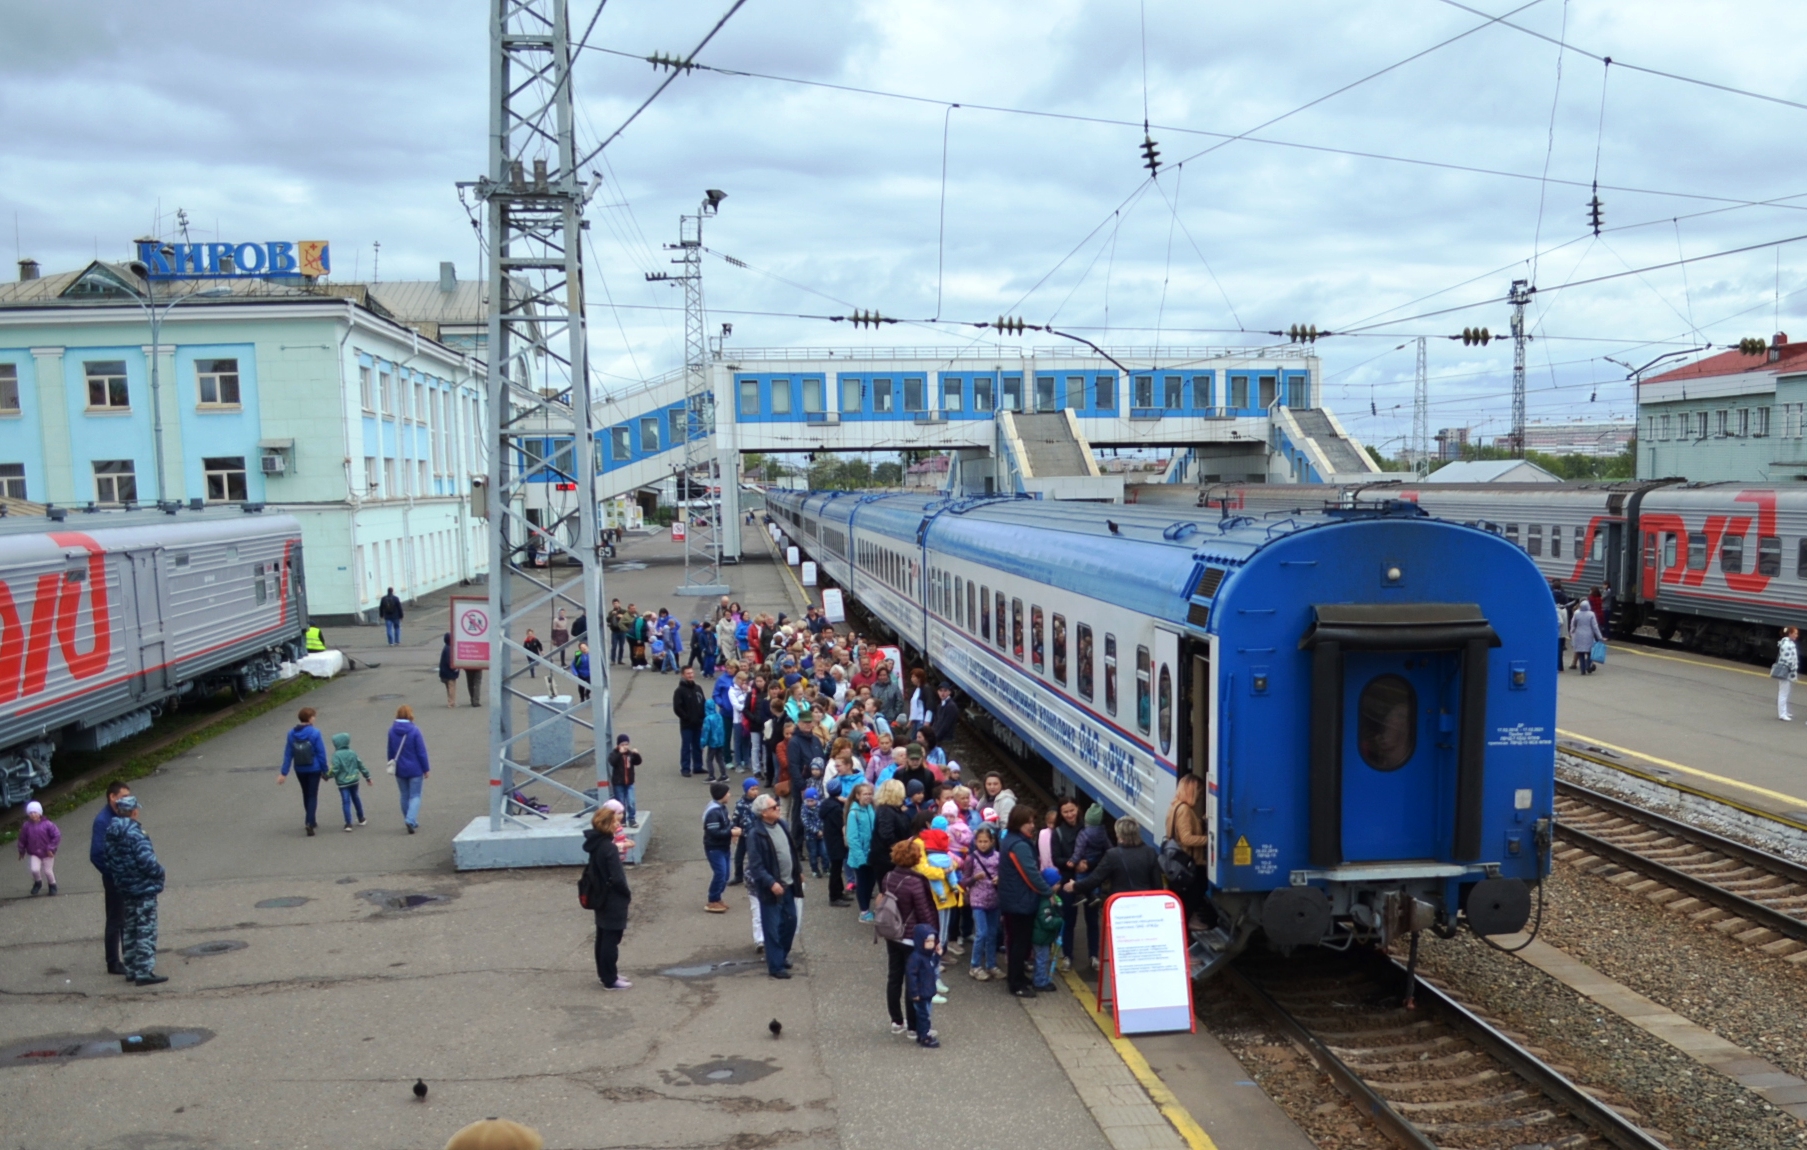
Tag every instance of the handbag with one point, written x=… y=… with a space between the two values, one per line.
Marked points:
x=1598 y=654
x=392 y=766
x=1778 y=671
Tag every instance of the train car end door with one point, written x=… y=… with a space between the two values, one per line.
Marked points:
x=147 y=600
x=1393 y=704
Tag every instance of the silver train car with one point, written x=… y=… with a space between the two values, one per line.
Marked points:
x=108 y=619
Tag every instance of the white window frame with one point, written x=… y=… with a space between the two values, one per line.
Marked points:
x=107 y=379
x=213 y=467
x=218 y=379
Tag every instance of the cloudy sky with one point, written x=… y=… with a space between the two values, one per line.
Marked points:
x=1418 y=190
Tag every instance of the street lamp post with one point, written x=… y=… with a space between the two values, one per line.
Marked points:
x=148 y=301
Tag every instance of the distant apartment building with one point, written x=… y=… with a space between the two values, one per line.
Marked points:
x=1451 y=443
x=1591 y=438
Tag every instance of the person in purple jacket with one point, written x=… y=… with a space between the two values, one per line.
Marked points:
x=305 y=751
x=38 y=840
x=408 y=763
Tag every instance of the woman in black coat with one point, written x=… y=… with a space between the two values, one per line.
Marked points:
x=1131 y=865
x=605 y=881
x=890 y=826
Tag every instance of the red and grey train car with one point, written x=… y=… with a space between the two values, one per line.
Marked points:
x=107 y=619
x=1716 y=567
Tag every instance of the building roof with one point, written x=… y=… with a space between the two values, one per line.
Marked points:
x=103 y=282
x=425 y=301
x=1789 y=357
x=1493 y=471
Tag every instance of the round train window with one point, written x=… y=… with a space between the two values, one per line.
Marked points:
x=1385 y=730
x=1164 y=704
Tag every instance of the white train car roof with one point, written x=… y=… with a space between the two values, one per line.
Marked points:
x=41 y=539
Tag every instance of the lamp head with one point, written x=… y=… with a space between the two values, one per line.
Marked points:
x=713 y=197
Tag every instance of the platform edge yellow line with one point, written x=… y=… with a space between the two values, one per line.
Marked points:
x=1630 y=650
x=1675 y=766
x=1170 y=1107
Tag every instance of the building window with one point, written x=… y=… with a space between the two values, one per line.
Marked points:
x=781 y=397
x=1104 y=392
x=1744 y=422
x=951 y=396
x=1036 y=657
x=984 y=399
x=1722 y=422
x=9 y=389
x=1011 y=393
x=1512 y=534
x=1731 y=555
x=1075 y=391
x=218 y=382
x=421 y=477
x=618 y=444
x=1269 y=391
x=391 y=489
x=1761 y=427
x=1172 y=392
x=365 y=386
x=12 y=480
x=115 y=481
x=1239 y=391
x=1201 y=391
x=1769 y=555
x=107 y=386
x=915 y=395
x=814 y=395
x=1059 y=642
x=850 y=395
x=370 y=480
x=884 y=395
x=386 y=391
x=1110 y=673
x=225 y=476
x=649 y=433
x=1663 y=428
x=749 y=397
x=1044 y=393
x=1144 y=685
x=420 y=403
x=1084 y=671
x=674 y=424
x=1142 y=391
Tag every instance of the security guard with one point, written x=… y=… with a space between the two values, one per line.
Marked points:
x=315 y=640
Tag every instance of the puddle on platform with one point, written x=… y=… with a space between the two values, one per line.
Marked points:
x=401 y=899
x=69 y=1047
x=720 y=1072
x=208 y=949
x=283 y=903
x=710 y=969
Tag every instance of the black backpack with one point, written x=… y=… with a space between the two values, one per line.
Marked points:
x=301 y=749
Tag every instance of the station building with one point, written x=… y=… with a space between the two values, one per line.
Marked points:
x=311 y=398
x=1737 y=416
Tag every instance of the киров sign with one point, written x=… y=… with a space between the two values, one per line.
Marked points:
x=272 y=259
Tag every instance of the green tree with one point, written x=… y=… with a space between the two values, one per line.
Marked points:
x=888 y=475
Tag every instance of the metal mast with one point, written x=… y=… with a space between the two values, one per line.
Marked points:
x=539 y=431
x=699 y=483
x=1518 y=297
x=1421 y=418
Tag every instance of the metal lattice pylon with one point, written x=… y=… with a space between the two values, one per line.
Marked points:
x=700 y=482
x=1518 y=297
x=534 y=199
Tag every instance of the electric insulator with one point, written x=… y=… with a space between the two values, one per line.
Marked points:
x=1151 y=157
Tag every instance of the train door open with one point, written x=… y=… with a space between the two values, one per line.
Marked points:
x=153 y=659
x=1398 y=731
x=1648 y=575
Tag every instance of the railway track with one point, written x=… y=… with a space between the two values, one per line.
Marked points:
x=1435 y=1075
x=1748 y=894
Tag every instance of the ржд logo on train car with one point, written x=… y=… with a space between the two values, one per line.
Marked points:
x=49 y=614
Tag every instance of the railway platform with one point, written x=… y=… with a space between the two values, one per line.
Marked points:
x=318 y=978
x=1691 y=721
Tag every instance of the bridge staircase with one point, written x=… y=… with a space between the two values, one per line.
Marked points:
x=1046 y=455
x=1318 y=448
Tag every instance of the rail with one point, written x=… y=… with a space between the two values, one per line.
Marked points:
x=1441 y=1034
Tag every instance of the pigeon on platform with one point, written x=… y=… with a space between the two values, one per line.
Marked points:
x=776 y=1027
x=420 y=1089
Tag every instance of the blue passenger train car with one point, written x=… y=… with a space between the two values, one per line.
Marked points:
x=1367 y=695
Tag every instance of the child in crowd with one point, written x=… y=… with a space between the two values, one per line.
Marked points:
x=937 y=866
x=660 y=653
x=959 y=846
x=346 y=769
x=1046 y=931
x=743 y=823
x=812 y=831
x=980 y=877
x=38 y=840
x=719 y=835
x=920 y=977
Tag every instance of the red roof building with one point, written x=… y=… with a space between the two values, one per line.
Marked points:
x=1736 y=416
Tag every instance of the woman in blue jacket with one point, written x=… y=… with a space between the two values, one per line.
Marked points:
x=1020 y=889
x=408 y=762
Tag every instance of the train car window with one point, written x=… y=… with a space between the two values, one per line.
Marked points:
x=1599 y=546
x=1697 y=551
x=1534 y=539
x=972 y=608
x=1769 y=555
x=1164 y=708
x=1669 y=556
x=180 y=558
x=1059 y=642
x=257 y=585
x=1580 y=541
x=985 y=612
x=1016 y=628
x=1143 y=690
x=1800 y=561
x=1002 y=637
x=1512 y=534
x=1110 y=673
x=1083 y=673
x=1555 y=542
x=1385 y=731
x=959 y=602
x=1036 y=655
x=1731 y=555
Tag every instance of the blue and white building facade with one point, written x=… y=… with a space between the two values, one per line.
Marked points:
x=315 y=400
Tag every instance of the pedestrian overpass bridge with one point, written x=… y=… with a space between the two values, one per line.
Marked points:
x=1022 y=420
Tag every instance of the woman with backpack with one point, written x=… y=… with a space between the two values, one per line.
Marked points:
x=905 y=904
x=305 y=752
x=603 y=890
x=1184 y=833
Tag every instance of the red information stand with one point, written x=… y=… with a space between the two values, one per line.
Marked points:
x=1146 y=975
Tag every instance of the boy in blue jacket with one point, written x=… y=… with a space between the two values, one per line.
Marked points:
x=920 y=975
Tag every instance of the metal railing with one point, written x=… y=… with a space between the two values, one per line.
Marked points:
x=1154 y=357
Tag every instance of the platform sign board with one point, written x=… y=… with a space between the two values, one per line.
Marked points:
x=895 y=656
x=1146 y=968
x=834 y=607
x=470 y=631
x=678 y=530
x=792 y=556
x=809 y=573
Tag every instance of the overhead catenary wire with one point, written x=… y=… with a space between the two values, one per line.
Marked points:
x=676 y=71
x=1543 y=184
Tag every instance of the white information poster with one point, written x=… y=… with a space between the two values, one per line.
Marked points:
x=809 y=571
x=792 y=556
x=1145 y=941
x=677 y=531
x=834 y=607
x=896 y=658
